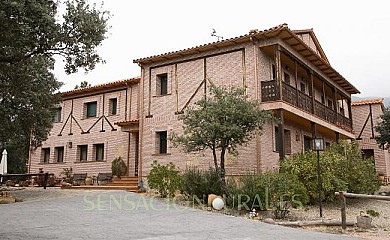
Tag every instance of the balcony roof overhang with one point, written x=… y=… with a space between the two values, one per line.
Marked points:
x=129 y=125
x=283 y=32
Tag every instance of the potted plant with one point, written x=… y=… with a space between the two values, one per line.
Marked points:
x=118 y=167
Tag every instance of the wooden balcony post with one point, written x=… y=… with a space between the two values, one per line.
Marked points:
x=278 y=66
x=335 y=103
x=296 y=80
x=350 y=111
x=312 y=93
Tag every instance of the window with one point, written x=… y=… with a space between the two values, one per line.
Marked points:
x=273 y=72
x=277 y=140
x=286 y=78
x=369 y=154
x=162 y=142
x=330 y=104
x=59 y=154
x=306 y=143
x=57 y=114
x=113 y=106
x=82 y=151
x=162 y=84
x=99 y=152
x=303 y=88
x=45 y=155
x=287 y=141
x=90 y=109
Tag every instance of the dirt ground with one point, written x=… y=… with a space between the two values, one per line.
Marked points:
x=355 y=207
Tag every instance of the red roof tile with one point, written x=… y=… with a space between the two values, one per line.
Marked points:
x=100 y=87
x=281 y=31
x=368 y=101
x=127 y=122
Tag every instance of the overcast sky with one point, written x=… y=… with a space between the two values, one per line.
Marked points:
x=354 y=34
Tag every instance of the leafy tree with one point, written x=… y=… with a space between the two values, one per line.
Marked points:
x=222 y=122
x=83 y=84
x=32 y=33
x=384 y=128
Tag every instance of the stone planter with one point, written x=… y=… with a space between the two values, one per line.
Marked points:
x=88 y=181
x=364 y=222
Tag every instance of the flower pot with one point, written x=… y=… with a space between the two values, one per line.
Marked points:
x=88 y=181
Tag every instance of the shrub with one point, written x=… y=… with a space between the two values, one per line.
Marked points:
x=342 y=169
x=359 y=173
x=164 y=178
x=118 y=167
x=271 y=190
x=201 y=183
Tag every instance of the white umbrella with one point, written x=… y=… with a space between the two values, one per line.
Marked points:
x=3 y=164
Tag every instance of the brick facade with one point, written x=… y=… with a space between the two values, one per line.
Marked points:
x=75 y=130
x=286 y=71
x=366 y=115
x=246 y=64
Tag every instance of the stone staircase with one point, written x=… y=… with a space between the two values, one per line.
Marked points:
x=129 y=183
x=124 y=183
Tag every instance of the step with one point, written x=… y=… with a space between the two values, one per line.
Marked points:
x=103 y=187
x=129 y=178
x=121 y=184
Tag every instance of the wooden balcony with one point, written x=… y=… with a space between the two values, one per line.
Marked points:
x=270 y=92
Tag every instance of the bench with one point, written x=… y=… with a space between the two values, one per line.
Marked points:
x=103 y=177
x=79 y=178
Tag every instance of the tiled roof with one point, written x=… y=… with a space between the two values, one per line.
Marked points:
x=281 y=31
x=368 y=101
x=100 y=87
x=206 y=46
x=127 y=122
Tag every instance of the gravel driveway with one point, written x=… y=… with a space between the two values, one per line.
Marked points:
x=79 y=214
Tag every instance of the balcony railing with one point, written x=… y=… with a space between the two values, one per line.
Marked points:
x=270 y=92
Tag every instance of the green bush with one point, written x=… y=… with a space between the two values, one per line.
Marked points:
x=201 y=183
x=359 y=173
x=342 y=169
x=164 y=178
x=271 y=190
x=118 y=167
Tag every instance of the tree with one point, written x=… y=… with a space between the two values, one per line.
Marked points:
x=384 y=128
x=32 y=33
x=83 y=84
x=222 y=123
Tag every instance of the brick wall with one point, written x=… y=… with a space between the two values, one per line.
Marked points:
x=360 y=114
x=68 y=133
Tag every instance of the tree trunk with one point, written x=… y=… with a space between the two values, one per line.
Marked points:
x=222 y=172
x=215 y=159
x=323 y=222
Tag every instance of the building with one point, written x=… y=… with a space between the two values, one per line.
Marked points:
x=286 y=70
x=366 y=115
x=85 y=137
